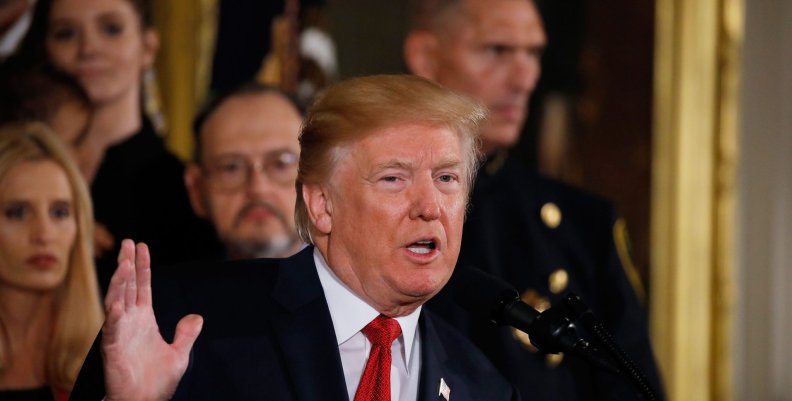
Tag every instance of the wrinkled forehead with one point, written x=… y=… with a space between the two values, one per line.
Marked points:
x=350 y=146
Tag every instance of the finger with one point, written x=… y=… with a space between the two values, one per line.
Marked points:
x=110 y=327
x=130 y=289
x=127 y=251
x=187 y=330
x=127 y=257
x=117 y=289
x=143 y=272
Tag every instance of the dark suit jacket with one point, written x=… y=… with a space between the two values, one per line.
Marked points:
x=505 y=235
x=268 y=335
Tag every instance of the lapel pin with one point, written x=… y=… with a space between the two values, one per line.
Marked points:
x=445 y=391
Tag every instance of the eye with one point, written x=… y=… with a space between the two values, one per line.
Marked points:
x=230 y=167
x=284 y=161
x=497 y=50
x=446 y=178
x=60 y=211
x=63 y=33
x=389 y=178
x=112 y=28
x=15 y=212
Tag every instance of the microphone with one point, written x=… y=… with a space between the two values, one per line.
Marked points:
x=487 y=296
x=551 y=331
x=484 y=295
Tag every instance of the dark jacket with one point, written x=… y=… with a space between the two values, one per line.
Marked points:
x=139 y=193
x=268 y=335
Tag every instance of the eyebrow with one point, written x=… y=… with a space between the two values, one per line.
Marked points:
x=398 y=164
x=240 y=154
x=448 y=163
x=395 y=164
x=68 y=19
x=28 y=203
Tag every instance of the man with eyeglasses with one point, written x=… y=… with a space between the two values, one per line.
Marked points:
x=242 y=179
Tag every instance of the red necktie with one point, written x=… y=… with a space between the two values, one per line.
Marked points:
x=375 y=383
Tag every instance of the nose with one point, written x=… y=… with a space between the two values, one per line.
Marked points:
x=258 y=182
x=425 y=204
x=42 y=229
x=89 y=43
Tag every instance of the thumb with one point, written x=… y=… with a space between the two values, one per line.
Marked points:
x=187 y=331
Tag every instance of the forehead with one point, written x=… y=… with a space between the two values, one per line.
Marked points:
x=500 y=19
x=35 y=179
x=251 y=122
x=79 y=9
x=409 y=143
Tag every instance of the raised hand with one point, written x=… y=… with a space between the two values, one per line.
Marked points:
x=138 y=363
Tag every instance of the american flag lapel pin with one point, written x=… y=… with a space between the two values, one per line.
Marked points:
x=445 y=391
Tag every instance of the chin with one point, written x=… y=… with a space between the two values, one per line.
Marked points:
x=425 y=287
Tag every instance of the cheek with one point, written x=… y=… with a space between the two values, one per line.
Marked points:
x=287 y=197
x=10 y=244
x=223 y=209
x=68 y=236
x=131 y=57
x=455 y=218
x=62 y=56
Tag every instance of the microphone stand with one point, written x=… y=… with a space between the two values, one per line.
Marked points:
x=555 y=330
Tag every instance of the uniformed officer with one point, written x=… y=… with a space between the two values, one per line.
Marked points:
x=542 y=236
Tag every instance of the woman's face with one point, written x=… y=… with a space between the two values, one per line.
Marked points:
x=38 y=227
x=102 y=43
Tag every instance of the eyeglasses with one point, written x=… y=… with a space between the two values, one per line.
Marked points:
x=231 y=172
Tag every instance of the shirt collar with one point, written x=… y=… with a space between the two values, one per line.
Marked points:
x=350 y=314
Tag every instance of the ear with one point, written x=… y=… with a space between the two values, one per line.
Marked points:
x=420 y=53
x=320 y=207
x=151 y=45
x=193 y=180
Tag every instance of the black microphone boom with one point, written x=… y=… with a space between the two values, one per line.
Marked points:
x=487 y=296
x=552 y=331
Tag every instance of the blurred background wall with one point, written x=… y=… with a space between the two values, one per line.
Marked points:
x=763 y=346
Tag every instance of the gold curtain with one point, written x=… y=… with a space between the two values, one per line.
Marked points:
x=697 y=55
x=187 y=37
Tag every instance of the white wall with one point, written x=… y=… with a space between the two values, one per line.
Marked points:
x=763 y=363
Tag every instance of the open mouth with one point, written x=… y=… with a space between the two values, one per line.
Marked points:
x=422 y=247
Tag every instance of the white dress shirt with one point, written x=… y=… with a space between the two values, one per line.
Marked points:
x=350 y=315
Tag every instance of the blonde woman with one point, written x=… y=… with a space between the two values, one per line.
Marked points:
x=49 y=299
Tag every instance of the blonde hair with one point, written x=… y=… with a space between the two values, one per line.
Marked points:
x=353 y=109
x=77 y=310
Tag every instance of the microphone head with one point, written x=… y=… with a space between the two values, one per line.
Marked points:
x=482 y=294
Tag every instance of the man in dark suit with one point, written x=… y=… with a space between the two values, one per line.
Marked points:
x=386 y=164
x=542 y=236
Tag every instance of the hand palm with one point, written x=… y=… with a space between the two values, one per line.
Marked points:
x=138 y=363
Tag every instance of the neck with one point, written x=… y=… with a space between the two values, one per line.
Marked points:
x=382 y=304
x=26 y=314
x=28 y=320
x=116 y=120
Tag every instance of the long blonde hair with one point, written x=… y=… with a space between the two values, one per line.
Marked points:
x=77 y=307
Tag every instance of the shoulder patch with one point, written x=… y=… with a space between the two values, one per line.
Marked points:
x=622 y=241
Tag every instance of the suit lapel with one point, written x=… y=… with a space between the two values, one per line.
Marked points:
x=305 y=332
x=433 y=359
